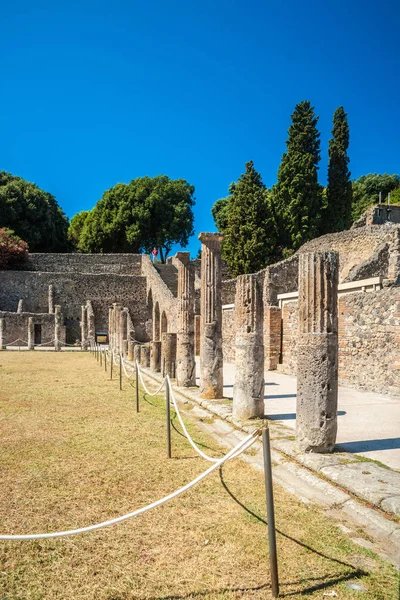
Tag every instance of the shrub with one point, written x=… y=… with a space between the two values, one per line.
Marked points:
x=13 y=250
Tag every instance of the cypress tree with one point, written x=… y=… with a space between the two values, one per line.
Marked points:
x=298 y=194
x=337 y=213
x=250 y=238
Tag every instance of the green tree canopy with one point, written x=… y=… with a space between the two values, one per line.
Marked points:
x=32 y=214
x=220 y=211
x=298 y=195
x=146 y=213
x=366 y=191
x=337 y=213
x=75 y=228
x=250 y=236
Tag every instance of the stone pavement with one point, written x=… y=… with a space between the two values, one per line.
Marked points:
x=368 y=422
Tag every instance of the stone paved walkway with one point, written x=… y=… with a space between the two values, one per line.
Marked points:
x=368 y=423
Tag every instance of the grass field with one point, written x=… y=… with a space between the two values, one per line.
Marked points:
x=74 y=452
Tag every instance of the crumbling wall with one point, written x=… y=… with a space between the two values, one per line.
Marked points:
x=17 y=326
x=158 y=292
x=72 y=290
x=113 y=264
x=228 y=334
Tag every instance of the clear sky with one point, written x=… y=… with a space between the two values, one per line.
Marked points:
x=95 y=93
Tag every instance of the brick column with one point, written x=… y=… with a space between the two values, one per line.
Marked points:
x=248 y=389
x=272 y=336
x=2 y=334
x=185 y=362
x=317 y=352
x=211 y=363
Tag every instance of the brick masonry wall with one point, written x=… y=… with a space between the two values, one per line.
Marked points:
x=116 y=264
x=17 y=326
x=71 y=291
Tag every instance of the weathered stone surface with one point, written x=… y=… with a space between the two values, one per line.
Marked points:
x=248 y=389
x=145 y=356
x=317 y=353
x=20 y=308
x=91 y=324
x=57 y=327
x=197 y=334
x=31 y=334
x=155 y=356
x=185 y=360
x=2 y=334
x=83 y=328
x=130 y=350
x=51 y=299
x=211 y=362
x=137 y=352
x=168 y=354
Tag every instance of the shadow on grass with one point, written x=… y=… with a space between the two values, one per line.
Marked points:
x=184 y=436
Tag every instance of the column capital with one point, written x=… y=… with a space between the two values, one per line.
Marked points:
x=183 y=257
x=211 y=239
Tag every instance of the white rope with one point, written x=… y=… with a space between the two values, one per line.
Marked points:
x=158 y=390
x=185 y=431
x=124 y=368
x=44 y=343
x=15 y=341
x=241 y=447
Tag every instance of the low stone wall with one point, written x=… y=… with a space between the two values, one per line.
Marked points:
x=17 y=326
x=116 y=264
x=71 y=291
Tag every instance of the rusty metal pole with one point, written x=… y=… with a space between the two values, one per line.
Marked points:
x=168 y=416
x=273 y=557
x=120 y=372
x=137 y=386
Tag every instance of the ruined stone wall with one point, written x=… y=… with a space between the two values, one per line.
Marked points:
x=369 y=340
x=72 y=290
x=290 y=319
x=116 y=264
x=17 y=326
x=228 y=334
x=158 y=292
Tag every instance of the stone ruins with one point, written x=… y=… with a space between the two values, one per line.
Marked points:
x=330 y=313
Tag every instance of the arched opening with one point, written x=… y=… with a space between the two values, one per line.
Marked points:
x=164 y=323
x=156 y=323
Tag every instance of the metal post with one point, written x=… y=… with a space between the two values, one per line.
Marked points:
x=168 y=412
x=273 y=558
x=101 y=356
x=120 y=372
x=137 y=387
x=105 y=360
x=111 y=363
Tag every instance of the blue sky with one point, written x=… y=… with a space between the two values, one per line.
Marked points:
x=95 y=93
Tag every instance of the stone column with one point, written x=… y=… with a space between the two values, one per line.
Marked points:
x=57 y=327
x=211 y=363
x=51 y=299
x=197 y=334
x=31 y=334
x=130 y=350
x=110 y=327
x=145 y=356
x=136 y=353
x=317 y=352
x=185 y=362
x=91 y=323
x=117 y=328
x=155 y=356
x=248 y=388
x=20 y=308
x=83 y=328
x=123 y=330
x=2 y=334
x=168 y=354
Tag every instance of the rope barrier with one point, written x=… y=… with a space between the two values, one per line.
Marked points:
x=144 y=385
x=44 y=343
x=236 y=451
x=15 y=341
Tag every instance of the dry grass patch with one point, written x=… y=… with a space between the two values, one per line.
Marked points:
x=74 y=452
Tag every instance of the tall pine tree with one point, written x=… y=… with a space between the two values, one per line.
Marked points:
x=250 y=238
x=298 y=194
x=337 y=213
